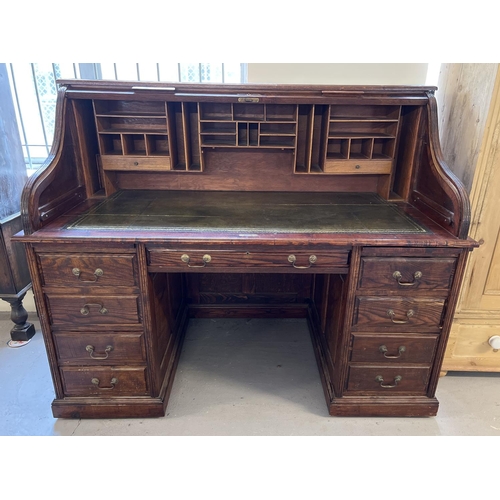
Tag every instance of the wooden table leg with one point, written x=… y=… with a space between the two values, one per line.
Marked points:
x=22 y=330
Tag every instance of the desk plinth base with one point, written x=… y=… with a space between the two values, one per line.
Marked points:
x=116 y=408
x=350 y=406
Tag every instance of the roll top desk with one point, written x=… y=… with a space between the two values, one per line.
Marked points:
x=162 y=202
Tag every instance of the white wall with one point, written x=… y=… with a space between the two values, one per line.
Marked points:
x=339 y=73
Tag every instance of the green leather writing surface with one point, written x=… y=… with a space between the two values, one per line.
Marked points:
x=260 y=212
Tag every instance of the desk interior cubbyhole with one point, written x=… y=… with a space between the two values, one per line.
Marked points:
x=278 y=141
x=129 y=124
x=361 y=128
x=218 y=140
x=110 y=144
x=361 y=148
x=216 y=111
x=277 y=129
x=253 y=134
x=383 y=148
x=281 y=112
x=337 y=149
x=243 y=134
x=134 y=144
x=364 y=112
x=157 y=145
x=251 y=112
x=218 y=127
x=129 y=108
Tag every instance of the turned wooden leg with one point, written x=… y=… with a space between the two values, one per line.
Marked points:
x=22 y=329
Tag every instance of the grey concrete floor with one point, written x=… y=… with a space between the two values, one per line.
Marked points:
x=238 y=377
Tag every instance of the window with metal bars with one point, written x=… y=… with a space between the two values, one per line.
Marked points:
x=34 y=91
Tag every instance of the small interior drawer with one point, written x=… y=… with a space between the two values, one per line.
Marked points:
x=358 y=167
x=398 y=314
x=104 y=381
x=406 y=274
x=100 y=348
x=388 y=380
x=286 y=261
x=88 y=269
x=135 y=163
x=393 y=349
x=93 y=309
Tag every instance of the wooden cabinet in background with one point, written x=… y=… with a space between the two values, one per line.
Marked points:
x=474 y=343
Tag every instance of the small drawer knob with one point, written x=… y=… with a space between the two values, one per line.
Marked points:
x=494 y=342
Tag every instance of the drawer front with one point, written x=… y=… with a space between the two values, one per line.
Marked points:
x=406 y=274
x=104 y=381
x=88 y=270
x=100 y=348
x=398 y=314
x=136 y=163
x=93 y=310
x=388 y=380
x=393 y=349
x=358 y=167
x=219 y=259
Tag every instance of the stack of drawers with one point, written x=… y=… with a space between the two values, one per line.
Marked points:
x=95 y=319
x=400 y=306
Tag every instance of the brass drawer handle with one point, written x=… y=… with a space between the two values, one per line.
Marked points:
x=113 y=382
x=90 y=350
x=409 y=314
x=380 y=380
x=312 y=260
x=416 y=276
x=206 y=259
x=86 y=311
x=97 y=273
x=383 y=349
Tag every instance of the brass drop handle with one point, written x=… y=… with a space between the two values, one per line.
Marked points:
x=380 y=380
x=113 y=382
x=206 y=259
x=416 y=276
x=86 y=311
x=97 y=273
x=312 y=260
x=409 y=314
x=383 y=349
x=90 y=349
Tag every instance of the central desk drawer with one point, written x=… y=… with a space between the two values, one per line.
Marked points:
x=97 y=270
x=193 y=260
x=398 y=314
x=93 y=310
x=100 y=348
x=104 y=382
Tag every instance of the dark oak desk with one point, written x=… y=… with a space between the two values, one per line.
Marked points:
x=328 y=203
